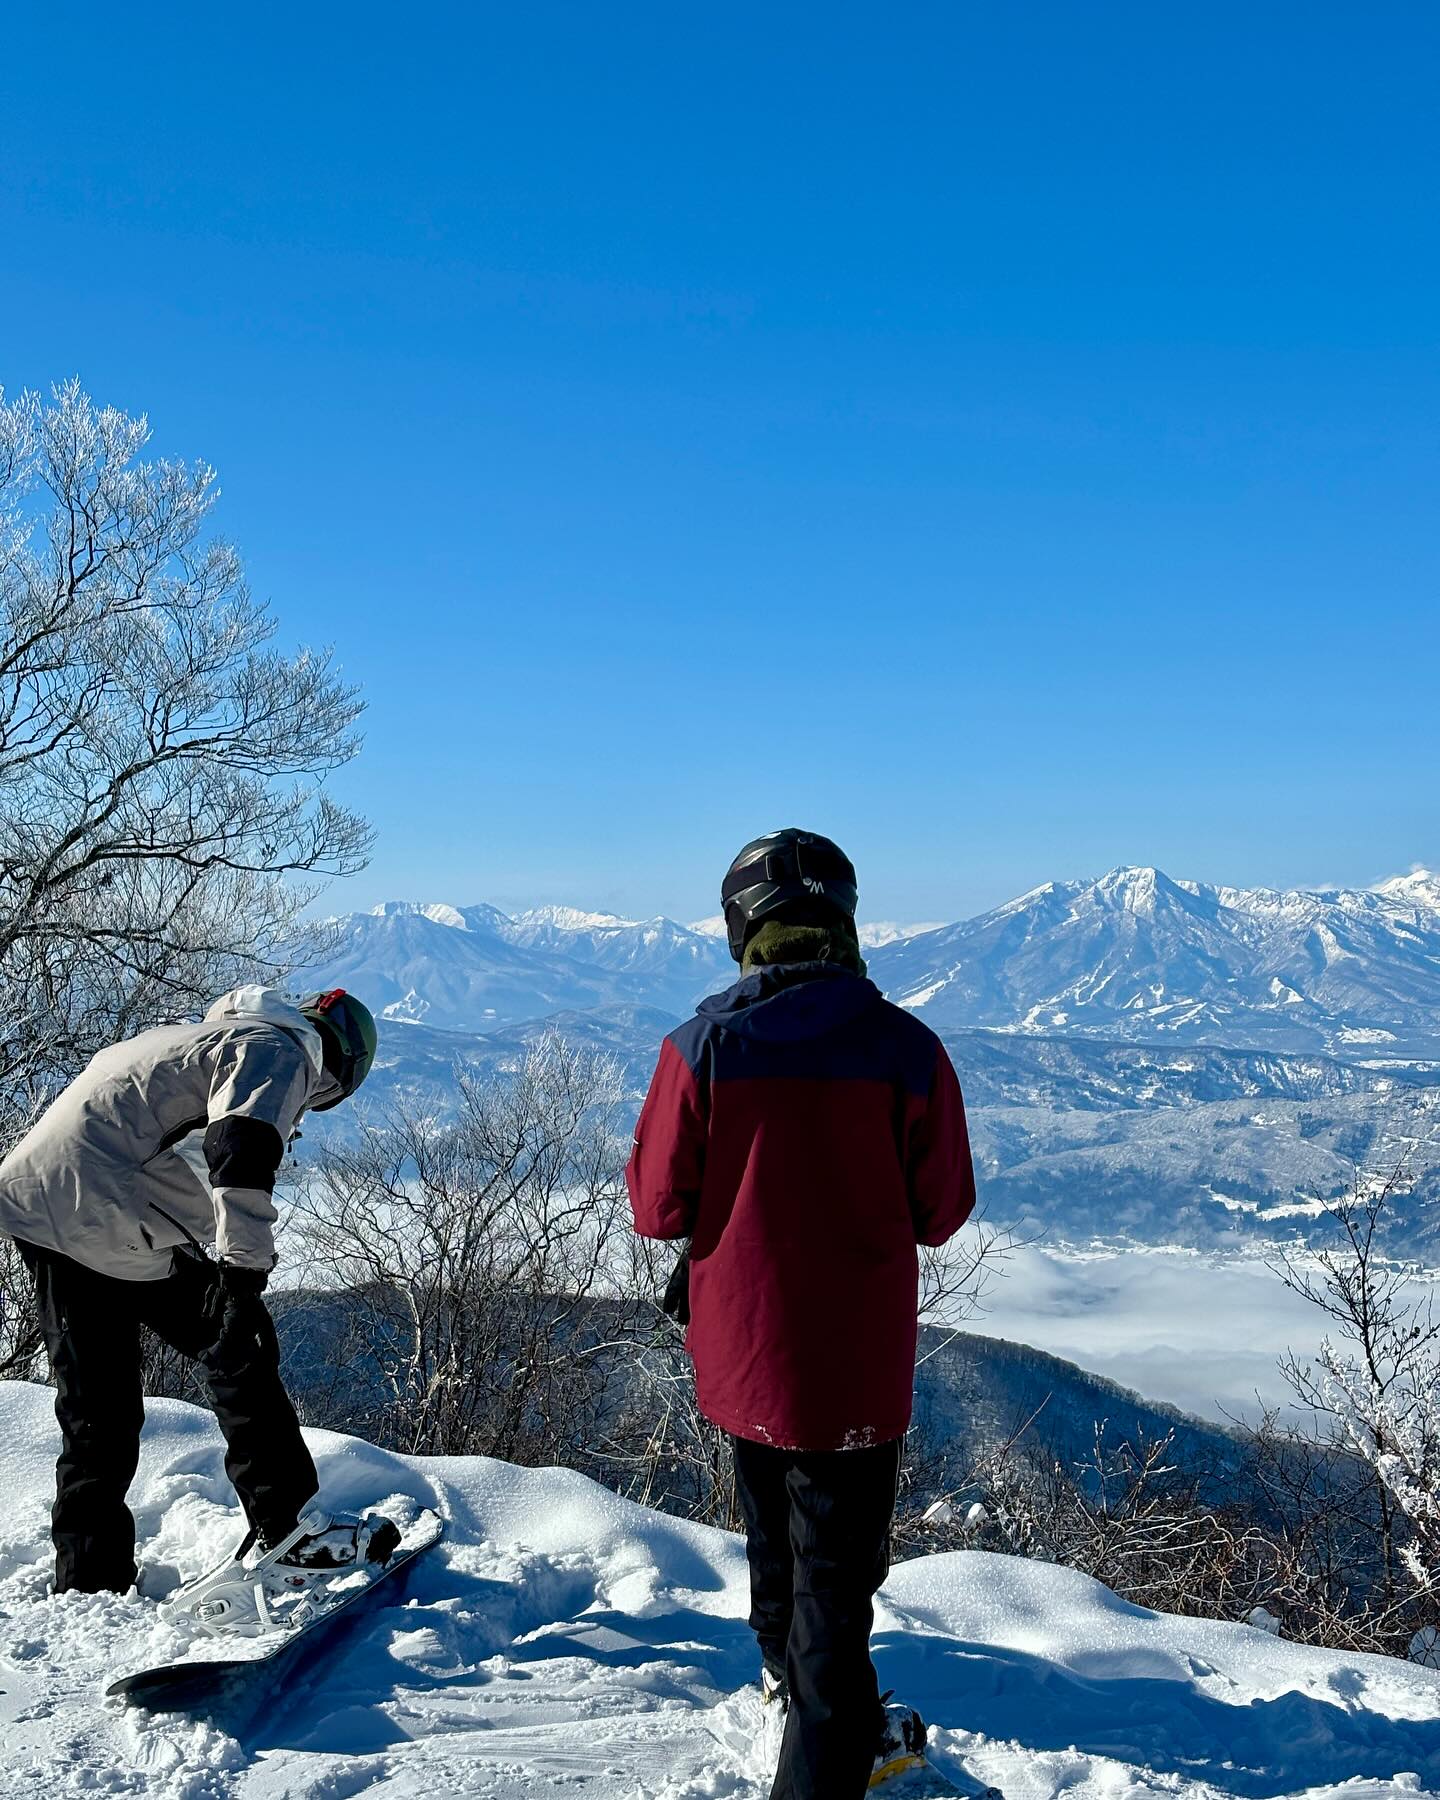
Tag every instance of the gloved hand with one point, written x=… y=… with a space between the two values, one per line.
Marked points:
x=677 y=1290
x=242 y=1322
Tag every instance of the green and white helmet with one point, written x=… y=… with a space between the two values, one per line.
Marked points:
x=348 y=1034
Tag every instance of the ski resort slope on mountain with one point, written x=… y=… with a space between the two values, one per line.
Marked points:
x=563 y=1640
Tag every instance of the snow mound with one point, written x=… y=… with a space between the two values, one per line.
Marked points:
x=564 y=1639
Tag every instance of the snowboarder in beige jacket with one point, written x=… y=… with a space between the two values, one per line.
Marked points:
x=165 y=1148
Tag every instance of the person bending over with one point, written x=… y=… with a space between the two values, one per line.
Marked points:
x=165 y=1147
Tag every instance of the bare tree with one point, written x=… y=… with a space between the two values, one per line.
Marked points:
x=1319 y=1502
x=477 y=1269
x=161 y=761
x=21 y=1348
x=955 y=1276
x=1375 y=1386
x=163 y=819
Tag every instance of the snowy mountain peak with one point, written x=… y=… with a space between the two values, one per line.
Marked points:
x=438 y=912
x=1421 y=887
x=1138 y=889
x=477 y=969
x=446 y=915
x=880 y=932
x=1132 y=954
x=572 y=918
x=1294 y=970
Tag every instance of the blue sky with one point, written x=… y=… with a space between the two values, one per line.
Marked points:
x=1002 y=437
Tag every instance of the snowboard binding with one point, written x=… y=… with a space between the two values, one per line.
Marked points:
x=281 y=1587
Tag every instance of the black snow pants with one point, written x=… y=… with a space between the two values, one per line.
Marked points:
x=91 y=1324
x=817 y=1533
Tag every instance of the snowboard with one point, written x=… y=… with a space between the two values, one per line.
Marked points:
x=213 y=1663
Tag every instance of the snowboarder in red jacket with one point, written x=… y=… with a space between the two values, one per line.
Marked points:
x=806 y=1135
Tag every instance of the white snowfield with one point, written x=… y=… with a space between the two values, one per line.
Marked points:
x=564 y=1641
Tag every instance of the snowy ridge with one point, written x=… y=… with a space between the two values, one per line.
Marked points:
x=477 y=969
x=562 y=1637
x=1138 y=956
x=571 y=918
x=872 y=936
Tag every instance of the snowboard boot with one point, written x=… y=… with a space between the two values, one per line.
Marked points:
x=902 y=1741
x=329 y=1541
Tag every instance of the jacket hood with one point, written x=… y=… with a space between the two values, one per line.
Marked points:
x=270 y=1004
x=786 y=1002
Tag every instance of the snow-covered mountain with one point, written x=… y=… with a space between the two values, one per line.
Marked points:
x=1139 y=956
x=649 y=949
x=1143 y=1058
x=476 y=969
x=564 y=1638
x=1132 y=955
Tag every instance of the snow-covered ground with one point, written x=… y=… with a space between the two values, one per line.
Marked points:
x=562 y=1640
x=1201 y=1329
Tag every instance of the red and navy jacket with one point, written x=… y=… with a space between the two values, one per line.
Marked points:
x=806 y=1135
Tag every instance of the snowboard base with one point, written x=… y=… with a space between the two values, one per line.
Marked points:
x=213 y=1665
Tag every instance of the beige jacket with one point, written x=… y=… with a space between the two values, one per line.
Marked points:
x=169 y=1138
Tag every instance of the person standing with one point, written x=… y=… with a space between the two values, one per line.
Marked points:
x=167 y=1145
x=806 y=1136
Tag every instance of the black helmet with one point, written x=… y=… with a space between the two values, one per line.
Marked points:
x=811 y=879
x=347 y=1032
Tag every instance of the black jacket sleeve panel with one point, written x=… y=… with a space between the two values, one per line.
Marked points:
x=244 y=1152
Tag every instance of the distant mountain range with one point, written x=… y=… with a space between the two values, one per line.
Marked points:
x=1141 y=1056
x=1133 y=955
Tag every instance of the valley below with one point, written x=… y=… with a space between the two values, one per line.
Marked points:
x=1202 y=1330
x=1167 y=1082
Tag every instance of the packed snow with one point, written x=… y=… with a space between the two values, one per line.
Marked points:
x=564 y=1640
